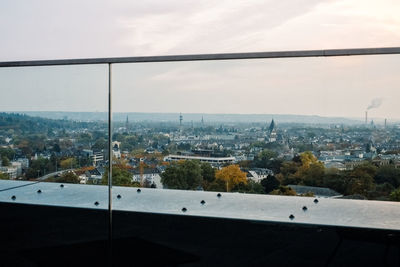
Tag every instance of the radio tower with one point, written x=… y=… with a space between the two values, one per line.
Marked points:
x=180 y=119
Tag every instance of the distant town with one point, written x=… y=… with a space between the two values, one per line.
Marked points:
x=322 y=158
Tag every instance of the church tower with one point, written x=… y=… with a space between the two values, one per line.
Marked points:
x=127 y=123
x=272 y=132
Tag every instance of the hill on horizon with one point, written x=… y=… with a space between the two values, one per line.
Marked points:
x=189 y=117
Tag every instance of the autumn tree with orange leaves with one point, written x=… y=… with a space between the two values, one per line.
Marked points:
x=232 y=176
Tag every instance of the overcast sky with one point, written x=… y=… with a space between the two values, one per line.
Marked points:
x=322 y=86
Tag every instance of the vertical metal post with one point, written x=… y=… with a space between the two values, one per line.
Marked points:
x=110 y=154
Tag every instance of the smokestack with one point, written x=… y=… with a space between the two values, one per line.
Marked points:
x=366 y=117
x=385 y=122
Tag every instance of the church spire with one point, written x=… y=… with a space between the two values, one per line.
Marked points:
x=127 y=122
x=272 y=126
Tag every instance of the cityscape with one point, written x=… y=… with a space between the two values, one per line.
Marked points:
x=258 y=154
x=200 y=133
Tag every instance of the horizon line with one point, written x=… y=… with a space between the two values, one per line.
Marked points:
x=204 y=113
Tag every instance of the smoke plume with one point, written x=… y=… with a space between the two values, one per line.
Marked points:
x=375 y=103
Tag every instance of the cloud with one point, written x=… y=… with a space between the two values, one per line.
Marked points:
x=99 y=28
x=209 y=27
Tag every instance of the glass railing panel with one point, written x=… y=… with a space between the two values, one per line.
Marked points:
x=53 y=147
x=306 y=127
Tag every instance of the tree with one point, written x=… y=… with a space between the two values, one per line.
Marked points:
x=56 y=148
x=275 y=165
x=395 y=195
x=304 y=169
x=5 y=161
x=7 y=153
x=120 y=177
x=232 y=176
x=270 y=183
x=308 y=194
x=360 y=180
x=245 y=164
x=251 y=188
x=184 y=146
x=314 y=175
x=184 y=175
x=69 y=177
x=37 y=168
x=207 y=172
x=100 y=144
x=381 y=192
x=217 y=186
x=388 y=174
x=68 y=163
x=307 y=158
x=3 y=176
x=288 y=169
x=283 y=190
x=335 y=180
x=262 y=160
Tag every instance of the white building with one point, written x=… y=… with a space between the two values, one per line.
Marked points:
x=97 y=158
x=83 y=179
x=257 y=174
x=116 y=153
x=24 y=162
x=17 y=165
x=149 y=176
x=10 y=171
x=211 y=160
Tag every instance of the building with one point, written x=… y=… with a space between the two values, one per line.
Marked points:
x=257 y=174
x=116 y=149
x=149 y=176
x=94 y=176
x=17 y=165
x=87 y=152
x=97 y=158
x=127 y=123
x=116 y=153
x=24 y=162
x=215 y=161
x=12 y=172
x=272 y=135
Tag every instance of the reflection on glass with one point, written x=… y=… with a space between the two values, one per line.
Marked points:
x=325 y=127
x=53 y=123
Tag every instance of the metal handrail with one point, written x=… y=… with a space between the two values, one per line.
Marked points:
x=200 y=57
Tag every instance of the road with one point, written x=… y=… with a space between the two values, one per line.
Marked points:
x=44 y=177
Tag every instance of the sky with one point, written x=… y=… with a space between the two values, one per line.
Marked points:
x=342 y=86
